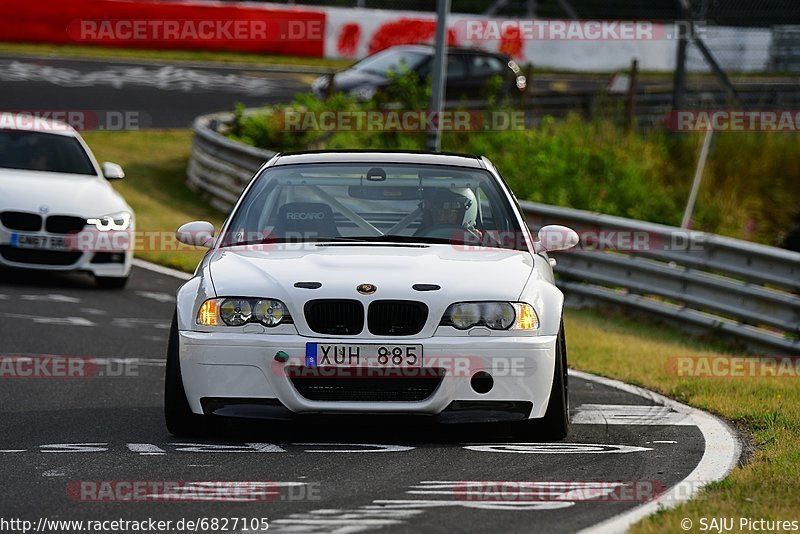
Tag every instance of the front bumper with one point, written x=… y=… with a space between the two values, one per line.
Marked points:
x=106 y=262
x=242 y=366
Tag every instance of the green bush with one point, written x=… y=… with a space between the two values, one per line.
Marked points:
x=751 y=187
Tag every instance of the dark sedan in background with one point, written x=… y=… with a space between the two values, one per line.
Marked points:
x=469 y=72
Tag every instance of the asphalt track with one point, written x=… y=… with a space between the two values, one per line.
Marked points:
x=171 y=94
x=106 y=426
x=73 y=447
x=156 y=95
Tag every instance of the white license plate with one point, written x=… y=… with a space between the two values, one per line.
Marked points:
x=363 y=355
x=46 y=242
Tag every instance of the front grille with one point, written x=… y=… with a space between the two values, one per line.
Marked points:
x=19 y=220
x=335 y=317
x=360 y=384
x=396 y=317
x=64 y=224
x=39 y=257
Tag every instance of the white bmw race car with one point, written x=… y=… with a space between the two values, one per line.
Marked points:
x=57 y=209
x=372 y=283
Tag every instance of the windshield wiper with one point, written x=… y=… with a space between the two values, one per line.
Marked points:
x=393 y=239
x=274 y=240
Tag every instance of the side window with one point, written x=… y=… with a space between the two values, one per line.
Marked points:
x=485 y=66
x=456 y=69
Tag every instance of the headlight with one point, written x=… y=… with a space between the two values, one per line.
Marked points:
x=235 y=312
x=270 y=312
x=240 y=311
x=117 y=221
x=493 y=315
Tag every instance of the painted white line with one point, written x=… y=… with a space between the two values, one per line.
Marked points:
x=94 y=311
x=160 y=297
x=368 y=447
x=557 y=448
x=138 y=322
x=51 y=297
x=146 y=449
x=480 y=505
x=160 y=269
x=665 y=441
x=11 y=450
x=625 y=414
x=721 y=454
x=217 y=448
x=70 y=321
x=74 y=447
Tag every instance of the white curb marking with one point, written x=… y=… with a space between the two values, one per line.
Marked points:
x=624 y=414
x=719 y=458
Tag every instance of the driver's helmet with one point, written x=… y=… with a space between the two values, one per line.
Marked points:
x=454 y=207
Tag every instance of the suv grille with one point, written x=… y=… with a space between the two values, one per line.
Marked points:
x=396 y=317
x=18 y=220
x=351 y=385
x=335 y=317
x=40 y=257
x=64 y=224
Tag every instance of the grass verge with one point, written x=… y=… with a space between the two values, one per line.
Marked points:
x=206 y=56
x=155 y=187
x=610 y=345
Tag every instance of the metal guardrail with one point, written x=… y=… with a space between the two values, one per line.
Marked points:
x=700 y=280
x=742 y=289
x=220 y=167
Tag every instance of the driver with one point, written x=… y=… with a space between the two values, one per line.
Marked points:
x=447 y=209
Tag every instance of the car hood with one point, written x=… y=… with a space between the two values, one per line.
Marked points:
x=475 y=274
x=61 y=193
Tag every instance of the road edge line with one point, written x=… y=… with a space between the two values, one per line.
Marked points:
x=136 y=262
x=722 y=452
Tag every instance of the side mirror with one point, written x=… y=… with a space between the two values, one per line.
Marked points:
x=556 y=237
x=112 y=171
x=196 y=234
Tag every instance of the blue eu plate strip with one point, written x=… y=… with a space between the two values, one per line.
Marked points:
x=311 y=354
x=15 y=240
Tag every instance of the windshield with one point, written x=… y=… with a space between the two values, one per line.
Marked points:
x=390 y=61
x=37 y=151
x=376 y=203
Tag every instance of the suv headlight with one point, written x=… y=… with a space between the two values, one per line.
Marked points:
x=493 y=315
x=235 y=311
x=116 y=221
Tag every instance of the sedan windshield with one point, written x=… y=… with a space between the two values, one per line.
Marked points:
x=37 y=151
x=376 y=203
x=390 y=61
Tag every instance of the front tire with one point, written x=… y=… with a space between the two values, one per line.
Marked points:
x=180 y=419
x=554 y=426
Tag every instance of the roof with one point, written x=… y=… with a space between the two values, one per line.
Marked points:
x=32 y=122
x=429 y=48
x=380 y=157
